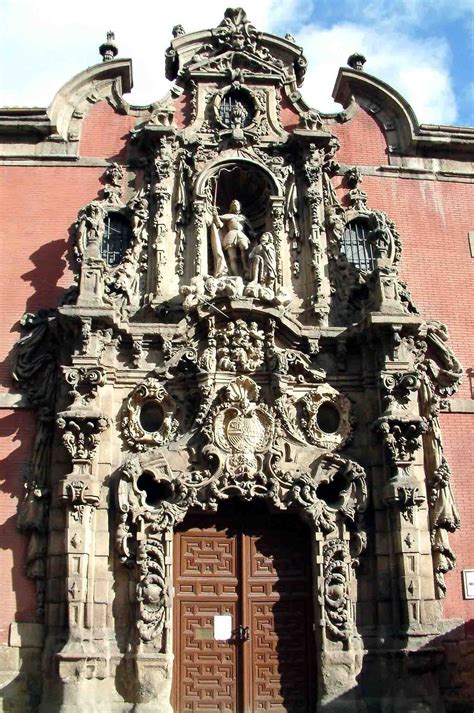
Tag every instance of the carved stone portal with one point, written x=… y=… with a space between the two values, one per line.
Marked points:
x=245 y=336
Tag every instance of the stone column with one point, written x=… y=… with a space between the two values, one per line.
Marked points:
x=162 y=217
x=340 y=657
x=151 y=531
x=79 y=491
x=400 y=429
x=201 y=266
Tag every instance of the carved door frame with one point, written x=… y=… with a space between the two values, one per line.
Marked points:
x=145 y=538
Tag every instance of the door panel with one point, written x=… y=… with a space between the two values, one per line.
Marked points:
x=206 y=562
x=280 y=616
x=258 y=569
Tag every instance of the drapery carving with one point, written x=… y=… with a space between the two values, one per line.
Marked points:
x=36 y=369
x=441 y=374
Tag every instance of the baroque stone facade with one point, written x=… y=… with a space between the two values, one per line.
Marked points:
x=246 y=336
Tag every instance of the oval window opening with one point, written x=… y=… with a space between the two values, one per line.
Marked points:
x=328 y=418
x=155 y=490
x=151 y=417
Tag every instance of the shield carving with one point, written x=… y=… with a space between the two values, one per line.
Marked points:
x=236 y=432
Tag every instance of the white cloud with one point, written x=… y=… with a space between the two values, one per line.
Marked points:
x=417 y=68
x=42 y=45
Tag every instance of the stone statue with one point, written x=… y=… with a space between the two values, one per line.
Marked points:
x=238 y=115
x=90 y=229
x=263 y=264
x=229 y=241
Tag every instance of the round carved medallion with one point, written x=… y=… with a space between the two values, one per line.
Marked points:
x=149 y=416
x=326 y=417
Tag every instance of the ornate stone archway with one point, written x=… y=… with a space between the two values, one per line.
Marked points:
x=245 y=449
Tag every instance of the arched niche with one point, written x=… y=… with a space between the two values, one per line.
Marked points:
x=231 y=161
x=249 y=182
x=248 y=185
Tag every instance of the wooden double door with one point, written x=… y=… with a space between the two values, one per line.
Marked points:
x=255 y=568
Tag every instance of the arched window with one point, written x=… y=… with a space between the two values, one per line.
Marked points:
x=357 y=247
x=117 y=236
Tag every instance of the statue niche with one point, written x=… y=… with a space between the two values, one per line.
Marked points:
x=243 y=256
x=230 y=236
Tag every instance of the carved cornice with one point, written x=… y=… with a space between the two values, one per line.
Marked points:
x=235 y=45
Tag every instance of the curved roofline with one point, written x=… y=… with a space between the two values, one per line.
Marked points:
x=98 y=79
x=353 y=86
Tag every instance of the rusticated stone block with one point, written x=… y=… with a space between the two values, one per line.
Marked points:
x=26 y=634
x=9 y=658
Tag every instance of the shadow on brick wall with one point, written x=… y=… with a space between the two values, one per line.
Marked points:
x=49 y=266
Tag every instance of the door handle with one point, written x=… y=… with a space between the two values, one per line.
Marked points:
x=243 y=633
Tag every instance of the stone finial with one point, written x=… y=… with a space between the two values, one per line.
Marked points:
x=178 y=31
x=357 y=61
x=108 y=49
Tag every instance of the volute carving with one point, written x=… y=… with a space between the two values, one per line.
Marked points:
x=440 y=374
x=244 y=457
x=36 y=370
x=337 y=602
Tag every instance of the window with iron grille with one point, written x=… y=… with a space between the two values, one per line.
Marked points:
x=236 y=105
x=357 y=247
x=116 y=238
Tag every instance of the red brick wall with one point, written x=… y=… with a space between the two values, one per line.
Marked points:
x=38 y=206
x=362 y=138
x=433 y=218
x=289 y=117
x=362 y=141
x=183 y=110
x=105 y=133
x=457 y=433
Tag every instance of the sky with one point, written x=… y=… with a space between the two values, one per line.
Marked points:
x=423 y=48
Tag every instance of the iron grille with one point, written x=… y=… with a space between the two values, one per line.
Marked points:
x=230 y=103
x=356 y=246
x=116 y=238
